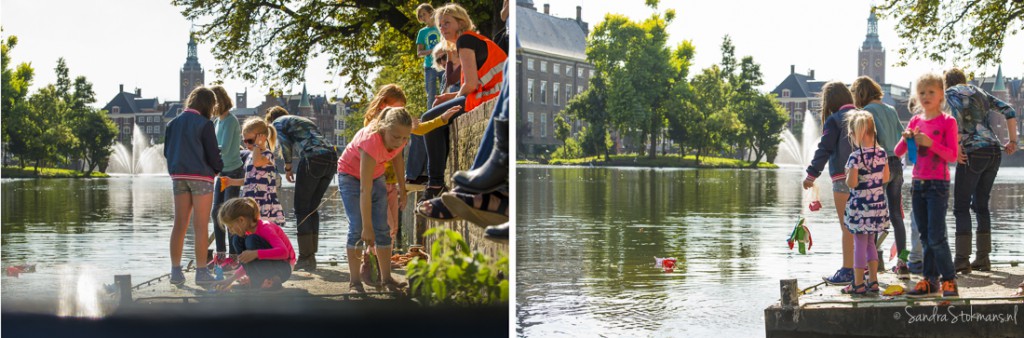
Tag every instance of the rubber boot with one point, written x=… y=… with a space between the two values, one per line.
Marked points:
x=962 y=261
x=981 y=262
x=494 y=173
x=306 y=260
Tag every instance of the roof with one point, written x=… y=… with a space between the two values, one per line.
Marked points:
x=172 y=109
x=546 y=34
x=1000 y=83
x=242 y=113
x=799 y=85
x=142 y=104
x=124 y=100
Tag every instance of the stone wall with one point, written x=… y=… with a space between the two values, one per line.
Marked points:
x=466 y=133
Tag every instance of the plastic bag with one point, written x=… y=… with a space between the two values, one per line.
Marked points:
x=813 y=195
x=370 y=269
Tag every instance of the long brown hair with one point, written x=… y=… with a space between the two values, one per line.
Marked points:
x=274 y=112
x=223 y=100
x=864 y=91
x=834 y=95
x=203 y=100
x=387 y=93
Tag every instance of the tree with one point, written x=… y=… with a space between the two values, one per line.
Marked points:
x=271 y=41
x=17 y=129
x=562 y=128
x=965 y=32
x=96 y=132
x=763 y=120
x=45 y=132
x=710 y=120
x=680 y=106
x=590 y=106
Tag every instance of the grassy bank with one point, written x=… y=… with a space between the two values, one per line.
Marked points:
x=30 y=172
x=676 y=161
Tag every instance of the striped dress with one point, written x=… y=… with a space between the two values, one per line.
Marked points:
x=261 y=184
x=866 y=210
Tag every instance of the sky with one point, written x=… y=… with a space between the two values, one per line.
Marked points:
x=141 y=44
x=821 y=35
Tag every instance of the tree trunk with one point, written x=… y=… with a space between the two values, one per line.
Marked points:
x=654 y=145
x=37 y=166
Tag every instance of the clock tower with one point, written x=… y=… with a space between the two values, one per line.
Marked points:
x=192 y=74
x=871 y=58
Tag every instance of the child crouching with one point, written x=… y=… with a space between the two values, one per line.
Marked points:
x=266 y=254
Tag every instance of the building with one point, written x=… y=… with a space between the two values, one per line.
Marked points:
x=871 y=57
x=1007 y=89
x=192 y=74
x=551 y=68
x=128 y=110
x=799 y=93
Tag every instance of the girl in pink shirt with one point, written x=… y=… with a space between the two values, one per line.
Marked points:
x=363 y=191
x=935 y=134
x=266 y=254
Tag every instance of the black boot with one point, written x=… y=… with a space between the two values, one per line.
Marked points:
x=307 y=249
x=494 y=173
x=981 y=262
x=497 y=232
x=962 y=260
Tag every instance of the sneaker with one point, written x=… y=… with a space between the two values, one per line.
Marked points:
x=203 y=277
x=843 y=276
x=177 y=277
x=949 y=289
x=901 y=270
x=916 y=268
x=924 y=288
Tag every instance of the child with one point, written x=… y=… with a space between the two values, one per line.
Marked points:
x=260 y=181
x=426 y=39
x=363 y=193
x=266 y=254
x=867 y=214
x=935 y=134
x=228 y=141
x=193 y=160
x=834 y=148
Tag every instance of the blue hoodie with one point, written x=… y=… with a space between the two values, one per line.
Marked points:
x=190 y=146
x=834 y=147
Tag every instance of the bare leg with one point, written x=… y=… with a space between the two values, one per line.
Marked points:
x=840 y=199
x=858 y=276
x=384 y=261
x=201 y=216
x=355 y=259
x=873 y=269
x=182 y=211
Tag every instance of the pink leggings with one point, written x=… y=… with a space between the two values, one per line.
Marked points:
x=864 y=250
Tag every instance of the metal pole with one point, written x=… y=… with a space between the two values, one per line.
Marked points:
x=124 y=283
x=790 y=293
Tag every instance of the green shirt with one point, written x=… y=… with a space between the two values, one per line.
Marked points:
x=229 y=140
x=428 y=37
x=887 y=126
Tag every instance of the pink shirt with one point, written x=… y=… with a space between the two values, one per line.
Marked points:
x=282 y=246
x=372 y=144
x=933 y=162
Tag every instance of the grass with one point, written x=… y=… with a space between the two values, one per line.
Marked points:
x=30 y=172
x=688 y=161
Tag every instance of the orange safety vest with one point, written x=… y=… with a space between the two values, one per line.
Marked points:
x=491 y=74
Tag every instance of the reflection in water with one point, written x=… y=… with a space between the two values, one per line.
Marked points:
x=586 y=238
x=82 y=232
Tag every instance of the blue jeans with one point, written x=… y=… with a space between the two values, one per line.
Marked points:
x=416 y=161
x=259 y=270
x=219 y=197
x=930 y=202
x=348 y=185
x=438 y=142
x=312 y=177
x=973 y=189
x=500 y=112
x=432 y=76
x=894 y=196
x=916 y=250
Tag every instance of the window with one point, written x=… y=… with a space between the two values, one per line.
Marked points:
x=543 y=66
x=785 y=93
x=126 y=131
x=591 y=73
x=579 y=72
x=556 y=68
x=579 y=90
x=543 y=125
x=568 y=92
x=529 y=89
x=529 y=64
x=568 y=70
x=115 y=110
x=179 y=112
x=529 y=122
x=544 y=92
x=557 y=92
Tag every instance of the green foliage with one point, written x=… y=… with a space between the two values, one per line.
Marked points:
x=272 y=41
x=966 y=33
x=571 y=149
x=33 y=172
x=562 y=128
x=95 y=132
x=591 y=107
x=456 y=276
x=710 y=121
x=14 y=104
x=763 y=120
x=668 y=161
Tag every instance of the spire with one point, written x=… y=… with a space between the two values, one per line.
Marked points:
x=304 y=101
x=1000 y=81
x=871 y=39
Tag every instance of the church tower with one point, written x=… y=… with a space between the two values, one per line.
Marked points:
x=192 y=74
x=871 y=58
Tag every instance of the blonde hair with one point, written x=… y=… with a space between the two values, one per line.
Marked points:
x=203 y=100
x=239 y=207
x=260 y=126
x=389 y=117
x=859 y=120
x=223 y=100
x=441 y=48
x=864 y=91
x=834 y=95
x=928 y=79
x=387 y=93
x=456 y=12
x=424 y=7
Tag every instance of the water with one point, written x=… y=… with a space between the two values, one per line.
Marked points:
x=143 y=158
x=586 y=238
x=81 y=233
x=795 y=151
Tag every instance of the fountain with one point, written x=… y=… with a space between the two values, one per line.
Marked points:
x=799 y=152
x=143 y=158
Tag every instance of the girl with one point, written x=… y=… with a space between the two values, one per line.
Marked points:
x=834 y=148
x=935 y=134
x=260 y=181
x=867 y=171
x=266 y=252
x=193 y=160
x=867 y=95
x=361 y=183
x=426 y=39
x=228 y=141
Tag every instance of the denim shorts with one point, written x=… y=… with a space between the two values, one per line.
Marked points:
x=840 y=187
x=192 y=187
x=348 y=186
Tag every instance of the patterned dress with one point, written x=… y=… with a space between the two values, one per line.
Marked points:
x=866 y=210
x=261 y=184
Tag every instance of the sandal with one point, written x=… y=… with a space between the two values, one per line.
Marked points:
x=482 y=209
x=356 y=287
x=854 y=289
x=438 y=211
x=873 y=287
x=394 y=286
